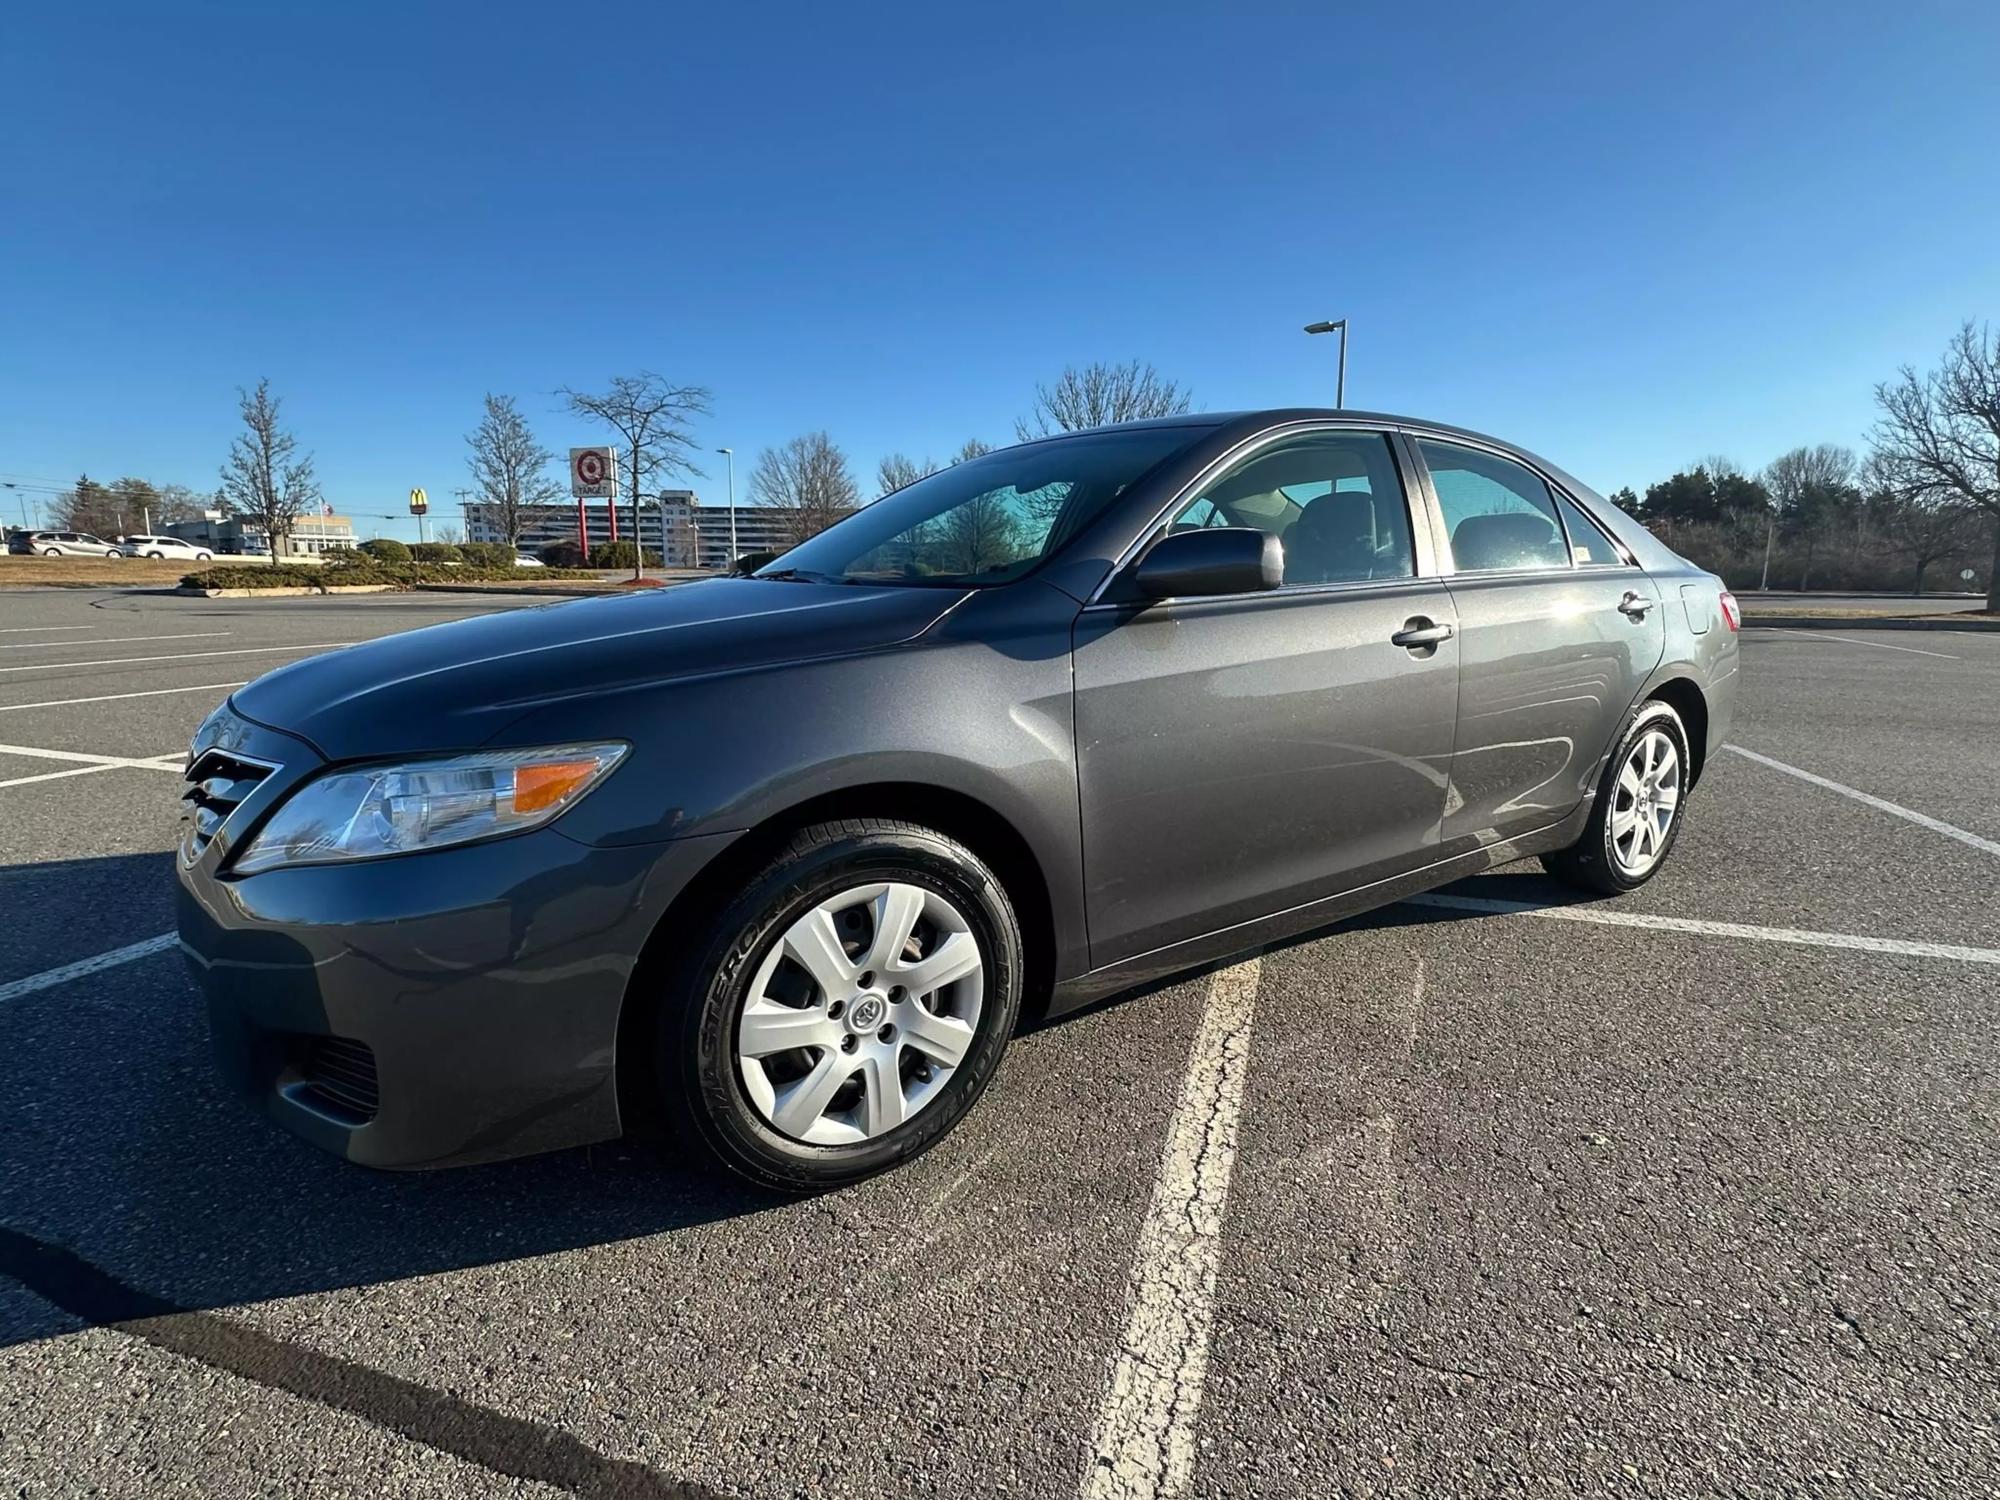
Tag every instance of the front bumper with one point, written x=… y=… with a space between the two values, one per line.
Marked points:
x=430 y=1009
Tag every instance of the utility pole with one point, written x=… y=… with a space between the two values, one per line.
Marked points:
x=1337 y=325
x=1770 y=535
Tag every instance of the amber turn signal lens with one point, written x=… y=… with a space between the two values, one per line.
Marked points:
x=537 y=787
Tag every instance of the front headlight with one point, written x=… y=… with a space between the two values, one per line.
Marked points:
x=365 y=812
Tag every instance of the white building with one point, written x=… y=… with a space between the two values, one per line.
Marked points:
x=675 y=524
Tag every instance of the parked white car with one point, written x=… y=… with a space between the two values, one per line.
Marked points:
x=164 y=546
x=527 y=560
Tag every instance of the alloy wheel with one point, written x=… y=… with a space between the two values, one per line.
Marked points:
x=1645 y=802
x=860 y=1013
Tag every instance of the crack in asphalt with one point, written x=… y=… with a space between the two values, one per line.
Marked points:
x=513 y=1447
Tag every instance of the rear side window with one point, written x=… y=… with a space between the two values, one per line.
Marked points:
x=1588 y=544
x=1500 y=516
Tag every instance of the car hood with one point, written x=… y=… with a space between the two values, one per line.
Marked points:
x=456 y=686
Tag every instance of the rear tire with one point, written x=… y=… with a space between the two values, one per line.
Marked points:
x=1625 y=843
x=866 y=1087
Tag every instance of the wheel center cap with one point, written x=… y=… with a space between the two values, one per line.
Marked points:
x=866 y=1013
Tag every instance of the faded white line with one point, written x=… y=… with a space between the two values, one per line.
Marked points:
x=56 y=775
x=126 y=661
x=1143 y=1443
x=1696 y=928
x=116 y=640
x=84 y=967
x=44 y=629
x=1850 y=640
x=1922 y=820
x=198 y=687
x=36 y=752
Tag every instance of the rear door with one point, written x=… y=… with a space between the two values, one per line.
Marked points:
x=1558 y=632
x=1239 y=756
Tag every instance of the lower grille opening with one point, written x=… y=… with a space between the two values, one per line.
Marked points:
x=339 y=1076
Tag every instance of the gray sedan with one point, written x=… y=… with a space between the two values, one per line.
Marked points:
x=775 y=864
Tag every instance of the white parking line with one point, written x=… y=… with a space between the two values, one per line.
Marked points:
x=1143 y=1444
x=109 y=762
x=1851 y=641
x=116 y=640
x=83 y=967
x=1922 y=820
x=197 y=687
x=44 y=629
x=56 y=775
x=125 y=661
x=1710 y=929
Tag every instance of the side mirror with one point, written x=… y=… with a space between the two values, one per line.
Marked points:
x=1213 y=560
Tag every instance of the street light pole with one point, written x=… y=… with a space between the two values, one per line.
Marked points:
x=730 y=454
x=1337 y=325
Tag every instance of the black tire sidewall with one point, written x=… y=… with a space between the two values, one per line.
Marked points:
x=697 y=1065
x=1595 y=848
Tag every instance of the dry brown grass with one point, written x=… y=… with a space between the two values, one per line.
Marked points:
x=90 y=572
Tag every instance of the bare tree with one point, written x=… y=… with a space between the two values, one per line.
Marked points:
x=653 y=418
x=808 y=480
x=265 y=479
x=85 y=506
x=179 y=503
x=971 y=448
x=1099 y=394
x=1809 y=486
x=1927 y=530
x=1939 y=434
x=510 y=468
x=899 y=470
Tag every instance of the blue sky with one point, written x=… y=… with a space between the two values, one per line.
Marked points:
x=1626 y=236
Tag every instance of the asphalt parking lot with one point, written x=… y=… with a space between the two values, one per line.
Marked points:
x=1693 y=1192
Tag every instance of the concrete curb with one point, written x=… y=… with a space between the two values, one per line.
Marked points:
x=1871 y=622
x=286 y=593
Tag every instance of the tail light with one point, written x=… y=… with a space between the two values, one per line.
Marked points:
x=1732 y=612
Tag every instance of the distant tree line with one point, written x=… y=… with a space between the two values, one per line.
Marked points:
x=1918 y=508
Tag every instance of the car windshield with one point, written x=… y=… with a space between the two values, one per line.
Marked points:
x=987 y=520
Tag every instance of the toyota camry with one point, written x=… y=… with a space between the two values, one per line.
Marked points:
x=775 y=864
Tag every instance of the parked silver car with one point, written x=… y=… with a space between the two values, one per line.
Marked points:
x=165 y=547
x=62 y=544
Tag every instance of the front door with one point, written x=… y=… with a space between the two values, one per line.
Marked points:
x=1244 y=755
x=1558 y=633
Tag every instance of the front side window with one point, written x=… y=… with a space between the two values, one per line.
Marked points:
x=1333 y=498
x=988 y=520
x=1499 y=515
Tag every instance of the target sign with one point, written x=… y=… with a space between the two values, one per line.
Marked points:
x=593 y=472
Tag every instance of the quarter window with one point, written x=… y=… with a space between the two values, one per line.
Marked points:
x=1588 y=544
x=1334 y=499
x=1499 y=515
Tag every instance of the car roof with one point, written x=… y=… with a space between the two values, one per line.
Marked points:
x=1253 y=420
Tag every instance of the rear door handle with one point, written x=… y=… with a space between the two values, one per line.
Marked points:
x=1635 y=606
x=1420 y=632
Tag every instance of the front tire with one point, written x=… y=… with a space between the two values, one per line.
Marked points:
x=846 y=1009
x=1637 y=814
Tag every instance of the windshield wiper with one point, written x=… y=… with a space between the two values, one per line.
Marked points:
x=796 y=575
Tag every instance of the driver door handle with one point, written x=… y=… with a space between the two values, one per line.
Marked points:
x=1634 y=606
x=1420 y=632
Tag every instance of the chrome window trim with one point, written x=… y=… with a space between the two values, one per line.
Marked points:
x=1423 y=557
